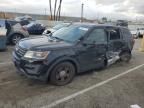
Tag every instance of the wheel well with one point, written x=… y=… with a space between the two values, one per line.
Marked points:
x=71 y=61
x=125 y=51
x=76 y=68
x=17 y=34
x=11 y=36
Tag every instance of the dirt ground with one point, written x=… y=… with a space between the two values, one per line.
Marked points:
x=19 y=92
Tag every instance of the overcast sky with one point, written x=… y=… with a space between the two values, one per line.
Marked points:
x=93 y=9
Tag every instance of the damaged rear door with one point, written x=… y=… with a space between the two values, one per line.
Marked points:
x=115 y=44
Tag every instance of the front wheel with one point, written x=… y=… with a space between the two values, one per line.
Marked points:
x=62 y=74
x=16 y=38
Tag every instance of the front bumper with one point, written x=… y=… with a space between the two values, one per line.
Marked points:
x=33 y=70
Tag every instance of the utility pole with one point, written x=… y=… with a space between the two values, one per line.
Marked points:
x=82 y=6
x=15 y=12
x=45 y=13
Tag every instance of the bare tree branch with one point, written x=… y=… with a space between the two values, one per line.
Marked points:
x=50 y=9
x=55 y=6
x=59 y=11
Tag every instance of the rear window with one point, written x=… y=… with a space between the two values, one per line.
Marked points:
x=126 y=33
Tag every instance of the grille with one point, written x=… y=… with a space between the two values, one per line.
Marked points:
x=20 y=52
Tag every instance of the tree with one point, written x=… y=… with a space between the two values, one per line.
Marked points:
x=55 y=7
x=50 y=9
x=59 y=11
x=56 y=11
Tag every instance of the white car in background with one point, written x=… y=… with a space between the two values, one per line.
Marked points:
x=134 y=33
x=138 y=33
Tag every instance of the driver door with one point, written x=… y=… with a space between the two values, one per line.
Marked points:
x=93 y=49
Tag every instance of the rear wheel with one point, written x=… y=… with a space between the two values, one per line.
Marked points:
x=16 y=38
x=125 y=57
x=62 y=74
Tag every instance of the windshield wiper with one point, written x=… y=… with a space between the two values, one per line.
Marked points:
x=53 y=37
x=50 y=35
x=58 y=38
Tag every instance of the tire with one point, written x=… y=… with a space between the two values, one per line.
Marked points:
x=125 y=57
x=62 y=74
x=15 y=38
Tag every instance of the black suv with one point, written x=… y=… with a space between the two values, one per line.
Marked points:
x=71 y=50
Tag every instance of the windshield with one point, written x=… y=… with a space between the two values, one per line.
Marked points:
x=71 y=33
x=30 y=25
x=60 y=26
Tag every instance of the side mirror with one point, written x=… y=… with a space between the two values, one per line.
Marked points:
x=48 y=32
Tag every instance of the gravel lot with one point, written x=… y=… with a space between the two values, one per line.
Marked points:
x=19 y=92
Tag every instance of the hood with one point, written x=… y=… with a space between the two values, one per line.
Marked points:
x=42 y=43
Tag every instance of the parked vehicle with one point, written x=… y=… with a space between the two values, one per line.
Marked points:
x=35 y=28
x=138 y=33
x=71 y=50
x=15 y=31
x=3 y=31
x=25 y=17
x=57 y=27
x=134 y=33
x=123 y=23
x=24 y=20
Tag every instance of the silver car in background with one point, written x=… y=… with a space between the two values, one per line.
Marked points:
x=138 y=33
x=15 y=31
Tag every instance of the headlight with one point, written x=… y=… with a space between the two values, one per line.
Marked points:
x=36 y=55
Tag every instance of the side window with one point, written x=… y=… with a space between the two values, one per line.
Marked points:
x=96 y=36
x=126 y=33
x=114 y=34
